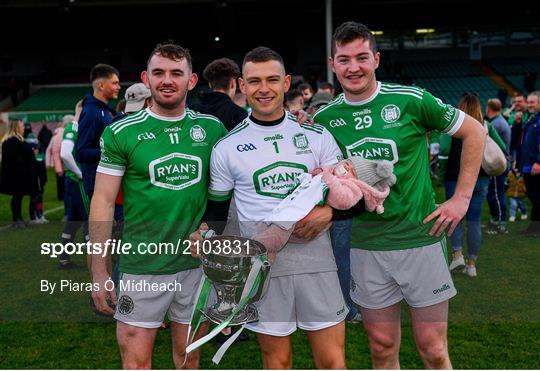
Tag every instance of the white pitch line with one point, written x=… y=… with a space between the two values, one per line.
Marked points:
x=53 y=210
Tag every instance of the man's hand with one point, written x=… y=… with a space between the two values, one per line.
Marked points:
x=60 y=173
x=535 y=170
x=302 y=117
x=313 y=223
x=105 y=287
x=448 y=214
x=195 y=240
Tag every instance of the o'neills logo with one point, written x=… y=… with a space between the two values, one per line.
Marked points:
x=175 y=171
x=443 y=288
x=277 y=179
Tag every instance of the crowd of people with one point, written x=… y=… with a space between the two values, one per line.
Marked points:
x=155 y=169
x=515 y=135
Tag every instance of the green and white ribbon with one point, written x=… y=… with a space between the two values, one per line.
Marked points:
x=251 y=287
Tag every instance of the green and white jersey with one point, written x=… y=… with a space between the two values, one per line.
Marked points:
x=261 y=165
x=71 y=132
x=392 y=125
x=164 y=165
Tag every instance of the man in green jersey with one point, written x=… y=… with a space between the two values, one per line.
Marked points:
x=401 y=253
x=161 y=157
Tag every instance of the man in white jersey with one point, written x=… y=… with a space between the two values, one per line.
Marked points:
x=161 y=156
x=401 y=253
x=259 y=162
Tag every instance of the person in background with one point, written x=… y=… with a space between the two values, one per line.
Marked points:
x=496 y=188
x=307 y=93
x=95 y=116
x=76 y=202
x=517 y=193
x=530 y=162
x=120 y=107
x=17 y=172
x=241 y=101
x=221 y=75
x=53 y=158
x=294 y=100
x=326 y=87
x=450 y=163
x=318 y=100
x=517 y=115
x=36 y=200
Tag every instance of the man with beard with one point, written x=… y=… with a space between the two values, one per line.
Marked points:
x=161 y=157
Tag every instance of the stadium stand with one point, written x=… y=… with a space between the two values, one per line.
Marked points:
x=514 y=69
x=50 y=103
x=54 y=98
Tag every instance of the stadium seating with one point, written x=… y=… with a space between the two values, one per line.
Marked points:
x=514 y=69
x=58 y=98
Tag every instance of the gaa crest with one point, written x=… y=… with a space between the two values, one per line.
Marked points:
x=300 y=141
x=197 y=133
x=390 y=113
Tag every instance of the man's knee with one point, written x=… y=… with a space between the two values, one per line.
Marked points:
x=434 y=352
x=333 y=363
x=383 y=345
x=277 y=359
x=135 y=347
x=137 y=364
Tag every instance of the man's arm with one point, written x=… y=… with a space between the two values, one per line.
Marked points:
x=449 y=214
x=101 y=220
x=66 y=153
x=215 y=218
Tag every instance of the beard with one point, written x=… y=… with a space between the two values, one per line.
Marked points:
x=170 y=104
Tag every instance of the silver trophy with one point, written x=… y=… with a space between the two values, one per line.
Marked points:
x=229 y=272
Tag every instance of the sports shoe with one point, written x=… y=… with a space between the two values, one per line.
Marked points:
x=512 y=219
x=457 y=263
x=356 y=319
x=498 y=229
x=18 y=224
x=524 y=216
x=35 y=221
x=43 y=220
x=470 y=270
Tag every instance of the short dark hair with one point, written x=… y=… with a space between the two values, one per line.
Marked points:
x=292 y=95
x=494 y=104
x=102 y=71
x=220 y=71
x=262 y=54
x=326 y=86
x=350 y=31
x=172 y=51
x=305 y=86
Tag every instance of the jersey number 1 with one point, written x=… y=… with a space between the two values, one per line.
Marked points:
x=276 y=147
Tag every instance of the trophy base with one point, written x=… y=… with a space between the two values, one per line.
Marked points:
x=246 y=316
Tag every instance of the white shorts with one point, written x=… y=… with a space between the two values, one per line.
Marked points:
x=310 y=301
x=144 y=300
x=383 y=278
